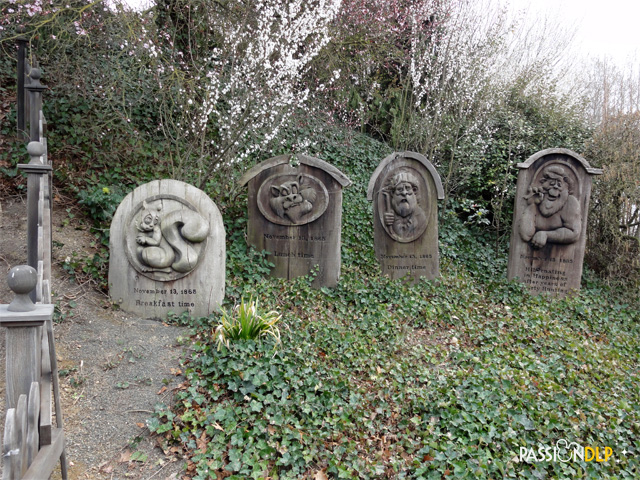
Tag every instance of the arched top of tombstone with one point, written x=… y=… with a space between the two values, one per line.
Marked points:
x=339 y=177
x=560 y=151
x=414 y=156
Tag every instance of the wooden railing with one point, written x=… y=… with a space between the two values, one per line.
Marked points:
x=21 y=433
x=32 y=445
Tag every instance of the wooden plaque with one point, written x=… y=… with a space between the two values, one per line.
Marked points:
x=550 y=221
x=405 y=189
x=167 y=251
x=295 y=214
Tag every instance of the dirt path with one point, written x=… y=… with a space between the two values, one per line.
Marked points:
x=114 y=368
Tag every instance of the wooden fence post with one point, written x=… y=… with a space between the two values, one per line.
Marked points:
x=23 y=321
x=22 y=46
x=35 y=89
x=35 y=170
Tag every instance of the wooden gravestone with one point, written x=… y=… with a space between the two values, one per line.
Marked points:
x=295 y=214
x=167 y=251
x=405 y=189
x=550 y=221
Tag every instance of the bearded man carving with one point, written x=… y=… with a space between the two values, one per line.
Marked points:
x=404 y=216
x=553 y=213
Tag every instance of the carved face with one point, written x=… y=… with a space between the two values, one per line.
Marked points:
x=291 y=201
x=556 y=191
x=403 y=198
x=149 y=218
x=287 y=194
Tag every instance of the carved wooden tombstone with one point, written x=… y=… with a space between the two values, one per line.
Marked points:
x=167 y=251
x=295 y=214
x=405 y=189
x=550 y=221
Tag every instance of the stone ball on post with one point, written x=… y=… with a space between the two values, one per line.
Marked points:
x=35 y=74
x=35 y=149
x=22 y=279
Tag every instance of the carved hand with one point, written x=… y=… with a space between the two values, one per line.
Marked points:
x=141 y=240
x=389 y=218
x=539 y=240
x=534 y=195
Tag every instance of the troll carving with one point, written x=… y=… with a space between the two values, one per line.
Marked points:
x=291 y=200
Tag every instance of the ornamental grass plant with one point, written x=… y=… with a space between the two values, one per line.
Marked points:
x=245 y=322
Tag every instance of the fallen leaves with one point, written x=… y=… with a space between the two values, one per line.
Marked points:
x=127 y=456
x=320 y=475
x=202 y=442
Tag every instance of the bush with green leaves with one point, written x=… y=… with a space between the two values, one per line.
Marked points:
x=523 y=120
x=613 y=234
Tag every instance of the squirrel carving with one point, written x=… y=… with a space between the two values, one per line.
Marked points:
x=165 y=244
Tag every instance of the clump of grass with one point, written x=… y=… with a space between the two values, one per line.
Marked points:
x=245 y=322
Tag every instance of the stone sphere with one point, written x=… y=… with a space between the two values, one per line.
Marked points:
x=22 y=279
x=35 y=149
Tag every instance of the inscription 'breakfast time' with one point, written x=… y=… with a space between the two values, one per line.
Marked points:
x=163 y=304
x=406 y=267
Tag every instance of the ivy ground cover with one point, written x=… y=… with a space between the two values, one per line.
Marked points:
x=463 y=378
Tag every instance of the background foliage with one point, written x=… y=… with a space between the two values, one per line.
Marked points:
x=614 y=235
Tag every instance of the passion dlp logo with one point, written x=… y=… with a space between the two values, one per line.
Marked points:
x=565 y=452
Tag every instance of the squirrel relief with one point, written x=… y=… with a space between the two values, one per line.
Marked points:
x=292 y=200
x=167 y=244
